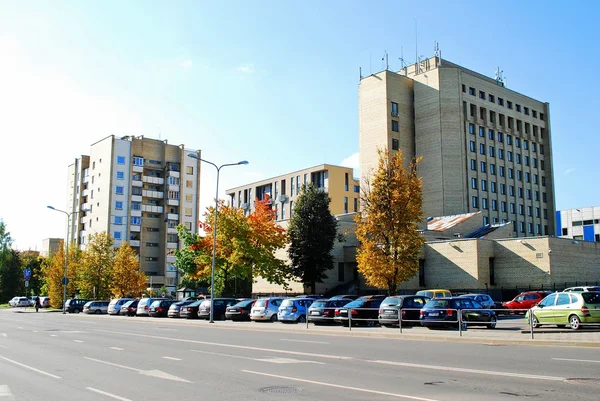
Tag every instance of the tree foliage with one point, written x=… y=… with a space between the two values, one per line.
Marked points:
x=126 y=277
x=10 y=277
x=387 y=227
x=53 y=270
x=31 y=260
x=94 y=275
x=312 y=232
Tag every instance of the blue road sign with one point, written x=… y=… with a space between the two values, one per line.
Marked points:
x=65 y=281
x=27 y=274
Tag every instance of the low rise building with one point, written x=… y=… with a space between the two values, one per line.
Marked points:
x=582 y=224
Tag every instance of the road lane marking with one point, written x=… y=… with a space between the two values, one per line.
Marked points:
x=270 y=360
x=280 y=351
x=116 y=397
x=364 y=390
x=53 y=335
x=117 y=348
x=153 y=373
x=5 y=391
x=465 y=370
x=170 y=358
x=303 y=341
x=31 y=368
x=4 y=335
x=78 y=341
x=576 y=360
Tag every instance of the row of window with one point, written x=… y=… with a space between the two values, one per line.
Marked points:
x=507 y=122
x=510 y=156
x=522 y=210
x=500 y=101
x=499 y=137
x=527 y=194
x=483 y=167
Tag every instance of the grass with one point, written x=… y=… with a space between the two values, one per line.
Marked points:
x=3 y=306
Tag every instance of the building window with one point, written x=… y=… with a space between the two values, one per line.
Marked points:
x=501 y=171
x=188 y=184
x=509 y=156
x=395 y=144
x=526 y=109
x=395 y=126
x=118 y=190
x=472 y=146
x=118 y=220
x=503 y=189
x=519 y=175
x=500 y=101
x=472 y=129
x=542 y=166
x=518 y=107
x=136 y=205
x=188 y=211
x=491 y=98
x=120 y=175
x=482 y=148
x=292 y=209
x=509 y=139
x=117 y=235
x=394 y=109
x=500 y=137
x=543 y=181
x=512 y=208
x=494 y=204
x=188 y=198
x=474 y=183
x=355 y=205
x=482 y=167
x=120 y=159
x=484 y=203
x=482 y=95
x=493 y=187
x=483 y=185
x=471 y=91
x=189 y=170
x=501 y=154
x=511 y=190
x=473 y=164
x=474 y=201
x=529 y=211
x=511 y=173
x=345 y=205
x=136 y=221
x=292 y=186
x=492 y=152
x=503 y=206
x=482 y=131
x=522 y=226
x=118 y=205
x=491 y=134
x=509 y=104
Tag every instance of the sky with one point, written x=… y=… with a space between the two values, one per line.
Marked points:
x=271 y=82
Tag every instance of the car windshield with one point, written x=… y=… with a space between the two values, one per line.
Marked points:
x=392 y=301
x=437 y=303
x=156 y=303
x=243 y=304
x=261 y=302
x=428 y=294
x=319 y=304
x=197 y=303
x=356 y=304
x=592 y=298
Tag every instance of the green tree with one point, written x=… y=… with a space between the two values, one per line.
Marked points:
x=126 y=277
x=93 y=276
x=387 y=227
x=33 y=261
x=312 y=232
x=11 y=274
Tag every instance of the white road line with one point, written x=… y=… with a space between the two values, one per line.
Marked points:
x=364 y=390
x=53 y=335
x=112 y=364
x=465 y=370
x=280 y=351
x=5 y=391
x=116 y=397
x=117 y=348
x=271 y=360
x=78 y=341
x=153 y=373
x=303 y=341
x=31 y=368
x=171 y=358
x=576 y=360
x=4 y=335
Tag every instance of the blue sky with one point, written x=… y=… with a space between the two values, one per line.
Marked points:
x=274 y=83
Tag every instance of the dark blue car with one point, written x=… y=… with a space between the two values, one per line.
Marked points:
x=444 y=312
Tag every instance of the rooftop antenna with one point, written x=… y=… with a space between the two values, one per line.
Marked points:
x=402 y=63
x=385 y=57
x=437 y=53
x=360 y=77
x=498 y=76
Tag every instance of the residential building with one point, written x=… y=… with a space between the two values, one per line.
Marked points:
x=138 y=190
x=485 y=148
x=581 y=224
x=51 y=245
x=283 y=190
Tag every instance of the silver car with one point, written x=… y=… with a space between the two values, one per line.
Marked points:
x=144 y=305
x=485 y=300
x=114 y=307
x=266 y=309
x=96 y=307
x=294 y=310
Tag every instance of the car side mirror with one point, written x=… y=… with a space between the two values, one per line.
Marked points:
x=540 y=305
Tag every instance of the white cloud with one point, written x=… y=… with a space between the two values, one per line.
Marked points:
x=354 y=162
x=187 y=64
x=246 y=69
x=569 y=171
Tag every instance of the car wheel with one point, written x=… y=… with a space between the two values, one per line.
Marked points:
x=302 y=319
x=574 y=322
x=274 y=317
x=535 y=323
x=98 y=312
x=75 y=310
x=492 y=324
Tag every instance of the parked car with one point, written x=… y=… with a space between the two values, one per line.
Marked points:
x=190 y=311
x=239 y=311
x=32 y=300
x=294 y=310
x=160 y=307
x=594 y=288
x=310 y=296
x=96 y=307
x=265 y=309
x=114 y=306
x=19 y=302
x=45 y=302
x=524 y=300
x=75 y=305
x=129 y=308
x=434 y=293
x=443 y=312
x=144 y=305
x=567 y=309
x=348 y=296
x=322 y=311
x=175 y=308
x=364 y=311
x=220 y=306
x=485 y=300
x=409 y=305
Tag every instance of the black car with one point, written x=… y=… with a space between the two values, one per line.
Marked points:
x=409 y=305
x=129 y=308
x=160 y=308
x=75 y=305
x=220 y=305
x=364 y=311
x=240 y=311
x=322 y=311
x=443 y=312
x=190 y=311
x=347 y=296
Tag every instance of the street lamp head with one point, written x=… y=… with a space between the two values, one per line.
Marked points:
x=194 y=156
x=50 y=207
x=243 y=162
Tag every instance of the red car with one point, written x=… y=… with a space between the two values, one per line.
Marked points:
x=524 y=301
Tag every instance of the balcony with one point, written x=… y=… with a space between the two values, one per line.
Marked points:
x=176 y=174
x=152 y=209
x=136 y=198
x=174 y=188
x=136 y=213
x=153 y=194
x=138 y=169
x=171 y=230
x=153 y=180
x=85 y=206
x=85 y=192
x=172 y=216
x=173 y=202
x=135 y=228
x=171 y=259
x=172 y=245
x=137 y=183
x=86 y=179
x=134 y=243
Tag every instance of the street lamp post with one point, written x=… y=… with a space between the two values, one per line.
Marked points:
x=66 y=253
x=214 y=252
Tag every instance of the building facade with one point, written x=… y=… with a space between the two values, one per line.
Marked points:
x=283 y=190
x=581 y=224
x=484 y=147
x=51 y=245
x=138 y=190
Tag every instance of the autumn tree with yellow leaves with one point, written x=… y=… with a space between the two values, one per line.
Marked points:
x=53 y=270
x=126 y=277
x=387 y=226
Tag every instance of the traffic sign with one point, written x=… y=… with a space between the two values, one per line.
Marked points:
x=26 y=284
x=27 y=274
x=65 y=281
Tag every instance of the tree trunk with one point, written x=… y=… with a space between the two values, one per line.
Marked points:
x=313 y=287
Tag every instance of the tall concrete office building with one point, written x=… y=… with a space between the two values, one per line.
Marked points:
x=484 y=147
x=138 y=190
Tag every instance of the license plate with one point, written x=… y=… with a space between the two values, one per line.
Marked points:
x=434 y=314
x=315 y=312
x=343 y=311
x=388 y=312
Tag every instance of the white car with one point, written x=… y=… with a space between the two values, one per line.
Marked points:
x=583 y=289
x=19 y=301
x=265 y=309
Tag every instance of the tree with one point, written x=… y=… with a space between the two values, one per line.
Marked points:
x=53 y=269
x=312 y=232
x=93 y=278
x=387 y=226
x=126 y=277
x=11 y=275
x=31 y=260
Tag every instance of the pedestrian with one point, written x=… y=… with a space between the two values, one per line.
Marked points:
x=37 y=303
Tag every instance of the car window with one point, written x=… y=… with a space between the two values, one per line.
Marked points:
x=440 y=295
x=428 y=294
x=418 y=302
x=531 y=297
x=548 y=301
x=519 y=298
x=563 y=299
x=287 y=302
x=437 y=303
x=591 y=298
x=275 y=302
x=391 y=301
x=260 y=302
x=320 y=304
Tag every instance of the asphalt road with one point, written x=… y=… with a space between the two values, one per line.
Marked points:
x=51 y=356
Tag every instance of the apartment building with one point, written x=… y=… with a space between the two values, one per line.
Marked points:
x=485 y=148
x=50 y=246
x=283 y=190
x=138 y=190
x=582 y=224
